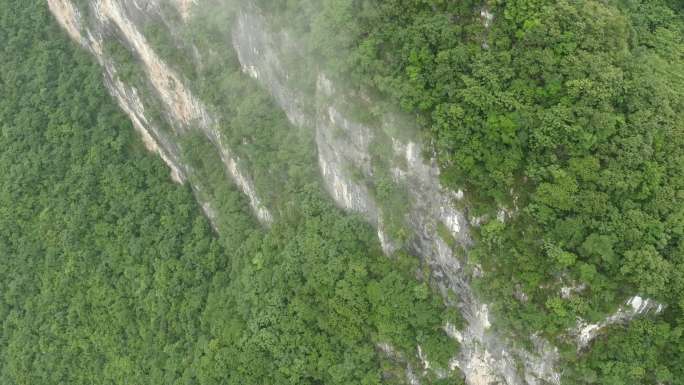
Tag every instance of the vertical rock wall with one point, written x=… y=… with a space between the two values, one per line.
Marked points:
x=184 y=110
x=343 y=145
x=345 y=159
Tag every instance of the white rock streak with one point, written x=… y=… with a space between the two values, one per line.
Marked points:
x=186 y=111
x=184 y=7
x=343 y=145
x=127 y=97
x=185 y=108
x=634 y=307
x=344 y=158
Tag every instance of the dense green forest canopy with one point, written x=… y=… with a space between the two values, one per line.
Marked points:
x=110 y=274
x=570 y=115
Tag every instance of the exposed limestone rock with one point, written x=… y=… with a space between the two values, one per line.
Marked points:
x=184 y=110
x=388 y=246
x=68 y=17
x=339 y=141
x=126 y=96
x=567 y=291
x=452 y=332
x=396 y=356
x=131 y=104
x=487 y=17
x=270 y=70
x=184 y=7
x=343 y=145
x=634 y=307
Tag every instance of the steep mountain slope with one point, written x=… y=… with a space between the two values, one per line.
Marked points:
x=110 y=274
x=401 y=196
x=521 y=160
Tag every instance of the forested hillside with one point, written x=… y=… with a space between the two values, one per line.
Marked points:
x=560 y=124
x=110 y=274
x=570 y=116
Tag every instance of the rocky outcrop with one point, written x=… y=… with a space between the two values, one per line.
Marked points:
x=270 y=70
x=343 y=146
x=346 y=163
x=633 y=307
x=184 y=7
x=184 y=110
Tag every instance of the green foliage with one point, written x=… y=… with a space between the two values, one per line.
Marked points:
x=171 y=45
x=110 y=274
x=278 y=157
x=126 y=64
x=570 y=111
x=641 y=354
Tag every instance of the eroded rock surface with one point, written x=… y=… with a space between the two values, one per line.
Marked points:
x=343 y=146
x=633 y=307
x=345 y=159
x=184 y=110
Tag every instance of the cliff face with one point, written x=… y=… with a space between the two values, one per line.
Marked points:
x=344 y=144
x=346 y=160
x=116 y=18
x=356 y=157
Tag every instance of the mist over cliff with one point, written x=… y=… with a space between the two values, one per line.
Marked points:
x=259 y=95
